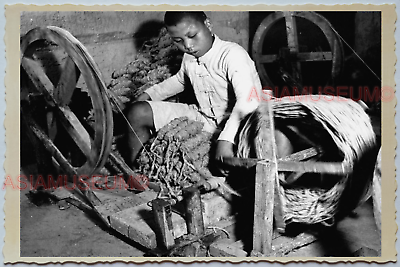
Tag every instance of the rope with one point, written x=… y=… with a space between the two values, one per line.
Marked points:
x=355 y=53
x=127 y=121
x=352 y=136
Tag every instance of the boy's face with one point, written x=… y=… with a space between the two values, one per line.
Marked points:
x=192 y=37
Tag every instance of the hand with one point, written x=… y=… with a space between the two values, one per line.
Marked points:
x=223 y=149
x=142 y=97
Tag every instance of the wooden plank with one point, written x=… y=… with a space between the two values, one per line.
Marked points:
x=116 y=204
x=266 y=174
x=284 y=245
x=137 y=223
x=264 y=207
x=122 y=220
x=113 y=207
x=227 y=248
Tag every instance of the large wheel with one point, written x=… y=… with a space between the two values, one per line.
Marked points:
x=74 y=124
x=297 y=49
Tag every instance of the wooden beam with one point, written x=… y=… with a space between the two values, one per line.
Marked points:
x=264 y=207
x=315 y=56
x=293 y=44
x=249 y=162
x=315 y=167
x=266 y=176
x=227 y=248
x=301 y=155
x=278 y=207
x=194 y=211
x=163 y=218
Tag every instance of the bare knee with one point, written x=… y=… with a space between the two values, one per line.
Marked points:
x=140 y=114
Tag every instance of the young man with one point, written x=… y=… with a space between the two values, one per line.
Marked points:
x=222 y=74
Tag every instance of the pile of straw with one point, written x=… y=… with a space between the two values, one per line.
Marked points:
x=341 y=120
x=177 y=157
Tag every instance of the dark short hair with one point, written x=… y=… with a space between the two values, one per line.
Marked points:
x=174 y=17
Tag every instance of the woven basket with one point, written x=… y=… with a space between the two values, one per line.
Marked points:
x=341 y=120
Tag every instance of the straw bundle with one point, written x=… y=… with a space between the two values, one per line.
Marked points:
x=178 y=156
x=341 y=120
x=156 y=61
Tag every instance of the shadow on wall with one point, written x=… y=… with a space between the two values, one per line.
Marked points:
x=146 y=31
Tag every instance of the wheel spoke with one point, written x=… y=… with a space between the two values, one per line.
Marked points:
x=39 y=78
x=291 y=31
x=315 y=167
x=67 y=83
x=293 y=44
x=315 y=56
x=51 y=148
x=67 y=118
x=302 y=155
x=51 y=125
x=268 y=58
x=76 y=130
x=60 y=101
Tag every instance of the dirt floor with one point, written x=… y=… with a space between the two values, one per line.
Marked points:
x=50 y=229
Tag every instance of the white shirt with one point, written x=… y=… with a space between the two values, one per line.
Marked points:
x=225 y=82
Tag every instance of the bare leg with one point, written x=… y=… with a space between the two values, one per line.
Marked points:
x=140 y=117
x=283 y=145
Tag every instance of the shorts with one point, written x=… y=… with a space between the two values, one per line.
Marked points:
x=164 y=112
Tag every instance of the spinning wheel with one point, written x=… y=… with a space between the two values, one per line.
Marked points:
x=76 y=133
x=297 y=49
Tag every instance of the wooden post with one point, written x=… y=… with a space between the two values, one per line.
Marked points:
x=264 y=207
x=267 y=202
x=194 y=211
x=162 y=215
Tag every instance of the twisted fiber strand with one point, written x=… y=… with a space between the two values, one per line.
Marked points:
x=349 y=127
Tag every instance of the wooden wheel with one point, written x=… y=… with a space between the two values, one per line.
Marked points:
x=286 y=44
x=74 y=125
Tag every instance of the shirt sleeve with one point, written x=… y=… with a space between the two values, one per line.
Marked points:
x=242 y=74
x=169 y=87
